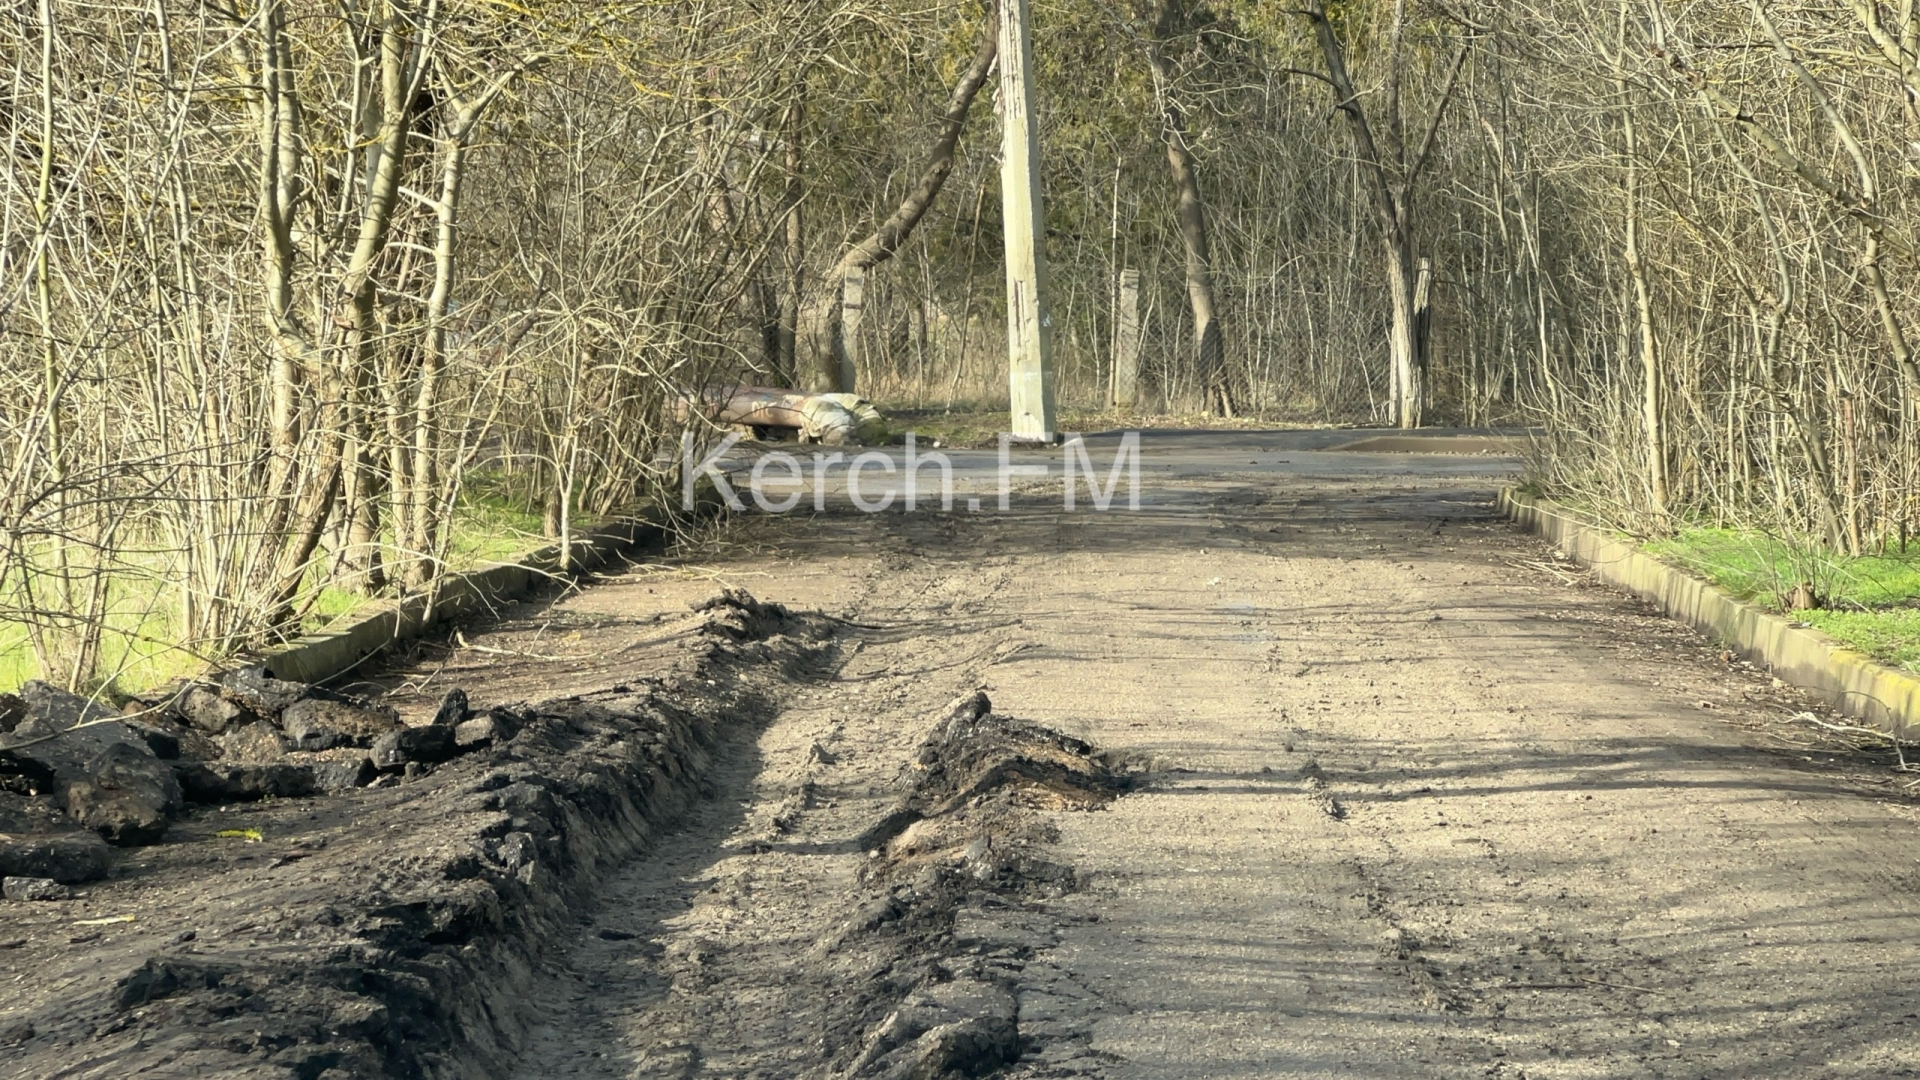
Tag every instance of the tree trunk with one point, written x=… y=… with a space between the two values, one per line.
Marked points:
x=422 y=529
x=1650 y=405
x=1403 y=335
x=820 y=323
x=402 y=65
x=362 y=569
x=422 y=533
x=796 y=250
x=1208 y=355
x=295 y=351
x=853 y=306
x=1422 y=336
x=1125 y=388
x=819 y=334
x=1393 y=182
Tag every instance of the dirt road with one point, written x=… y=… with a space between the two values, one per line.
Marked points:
x=1307 y=767
x=1417 y=801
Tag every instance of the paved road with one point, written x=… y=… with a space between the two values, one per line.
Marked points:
x=814 y=477
x=1426 y=801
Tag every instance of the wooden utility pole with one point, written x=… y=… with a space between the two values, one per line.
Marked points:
x=1126 y=342
x=1029 y=328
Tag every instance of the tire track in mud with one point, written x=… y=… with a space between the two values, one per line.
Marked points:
x=1416 y=857
x=1447 y=970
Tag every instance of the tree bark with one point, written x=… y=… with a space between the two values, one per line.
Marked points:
x=1124 y=389
x=1403 y=343
x=306 y=497
x=820 y=323
x=1210 y=368
x=360 y=564
x=401 y=68
x=1394 y=183
x=796 y=249
x=1650 y=404
x=420 y=534
x=1422 y=333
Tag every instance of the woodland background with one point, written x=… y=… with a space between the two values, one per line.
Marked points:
x=293 y=295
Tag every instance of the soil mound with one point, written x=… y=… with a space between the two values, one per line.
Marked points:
x=976 y=753
x=965 y=838
x=385 y=930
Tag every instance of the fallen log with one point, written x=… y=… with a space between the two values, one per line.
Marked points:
x=828 y=419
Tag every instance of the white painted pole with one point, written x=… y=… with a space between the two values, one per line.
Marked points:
x=853 y=304
x=1126 y=342
x=1029 y=329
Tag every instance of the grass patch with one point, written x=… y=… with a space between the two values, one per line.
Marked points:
x=1891 y=636
x=1872 y=603
x=332 y=603
x=16 y=658
x=137 y=646
x=491 y=524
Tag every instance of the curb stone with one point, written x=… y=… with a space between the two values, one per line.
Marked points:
x=1848 y=680
x=324 y=654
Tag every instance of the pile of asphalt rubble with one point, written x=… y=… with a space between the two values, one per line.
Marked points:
x=962 y=836
x=77 y=778
x=413 y=881
x=411 y=926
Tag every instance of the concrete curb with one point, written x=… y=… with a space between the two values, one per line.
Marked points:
x=332 y=652
x=1848 y=680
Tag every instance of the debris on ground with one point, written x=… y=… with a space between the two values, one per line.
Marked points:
x=828 y=419
x=964 y=835
x=34 y=888
x=241 y=737
x=360 y=911
x=976 y=753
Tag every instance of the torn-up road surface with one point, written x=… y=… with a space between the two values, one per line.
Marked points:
x=1309 y=767
x=1412 y=798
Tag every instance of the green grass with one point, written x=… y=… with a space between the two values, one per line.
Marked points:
x=1871 y=603
x=1891 y=636
x=489 y=525
x=16 y=659
x=332 y=603
x=136 y=647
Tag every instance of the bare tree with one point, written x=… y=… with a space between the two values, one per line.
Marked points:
x=821 y=327
x=1393 y=168
x=1210 y=368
